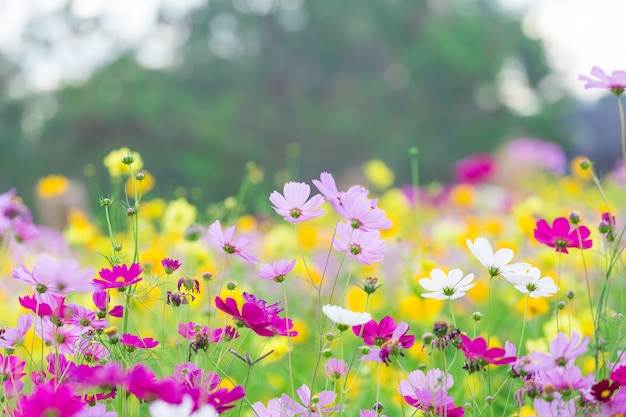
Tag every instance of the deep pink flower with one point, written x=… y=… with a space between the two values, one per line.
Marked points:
x=11 y=373
x=224 y=240
x=143 y=383
x=191 y=329
x=393 y=346
x=136 y=342
x=55 y=276
x=475 y=169
x=295 y=206
x=251 y=316
x=117 y=311
x=47 y=401
x=376 y=334
x=120 y=276
x=617 y=406
x=616 y=82
x=320 y=408
x=170 y=265
x=276 y=271
x=479 y=355
x=224 y=399
x=363 y=247
x=561 y=235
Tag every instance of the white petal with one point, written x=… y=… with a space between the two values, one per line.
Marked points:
x=502 y=257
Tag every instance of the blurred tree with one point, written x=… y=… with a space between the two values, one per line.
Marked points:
x=304 y=86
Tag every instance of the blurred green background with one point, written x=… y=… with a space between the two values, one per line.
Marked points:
x=297 y=86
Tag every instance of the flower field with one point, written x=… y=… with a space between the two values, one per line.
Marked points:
x=477 y=298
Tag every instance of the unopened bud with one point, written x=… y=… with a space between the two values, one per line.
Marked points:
x=105 y=201
x=364 y=349
x=330 y=336
x=585 y=164
x=477 y=316
x=207 y=276
x=327 y=353
x=140 y=176
x=574 y=217
x=560 y=305
x=570 y=294
x=128 y=159
x=231 y=285
x=130 y=211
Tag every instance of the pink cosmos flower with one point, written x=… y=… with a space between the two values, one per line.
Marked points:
x=320 y=408
x=617 y=406
x=556 y=407
x=82 y=317
x=63 y=338
x=336 y=368
x=276 y=271
x=293 y=206
x=274 y=408
x=363 y=247
x=224 y=399
x=616 y=82
x=357 y=209
x=225 y=241
x=428 y=392
x=191 y=376
x=191 y=329
x=251 y=315
x=46 y=400
x=98 y=410
x=120 y=276
x=479 y=355
x=370 y=413
x=55 y=276
x=561 y=236
x=326 y=185
x=136 y=342
x=13 y=337
x=565 y=378
x=143 y=383
x=563 y=353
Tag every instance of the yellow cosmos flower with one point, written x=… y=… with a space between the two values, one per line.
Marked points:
x=378 y=174
x=113 y=162
x=462 y=195
x=52 y=186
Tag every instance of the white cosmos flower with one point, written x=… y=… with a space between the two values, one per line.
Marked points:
x=340 y=316
x=497 y=263
x=444 y=287
x=160 y=408
x=532 y=284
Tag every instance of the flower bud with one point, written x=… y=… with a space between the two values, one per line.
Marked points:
x=560 y=305
x=193 y=233
x=570 y=295
x=231 y=285
x=207 y=276
x=574 y=217
x=370 y=285
x=130 y=211
x=105 y=201
x=330 y=336
x=477 y=316
x=364 y=349
x=128 y=159
x=327 y=353
x=118 y=247
x=140 y=176
x=585 y=164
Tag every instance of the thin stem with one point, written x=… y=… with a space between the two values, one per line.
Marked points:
x=289 y=343
x=621 y=119
x=521 y=337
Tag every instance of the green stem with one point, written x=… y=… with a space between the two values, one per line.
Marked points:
x=621 y=119
x=521 y=337
x=289 y=344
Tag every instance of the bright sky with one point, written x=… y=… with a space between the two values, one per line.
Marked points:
x=579 y=34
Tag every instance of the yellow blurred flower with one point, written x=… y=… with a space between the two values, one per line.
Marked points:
x=536 y=306
x=577 y=171
x=143 y=186
x=113 y=162
x=80 y=231
x=153 y=209
x=52 y=185
x=462 y=195
x=178 y=216
x=246 y=224
x=378 y=174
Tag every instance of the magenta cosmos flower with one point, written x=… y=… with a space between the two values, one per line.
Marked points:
x=224 y=240
x=394 y=346
x=295 y=206
x=119 y=276
x=276 y=271
x=363 y=247
x=562 y=236
x=376 y=334
x=479 y=355
x=48 y=401
x=137 y=342
x=616 y=82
